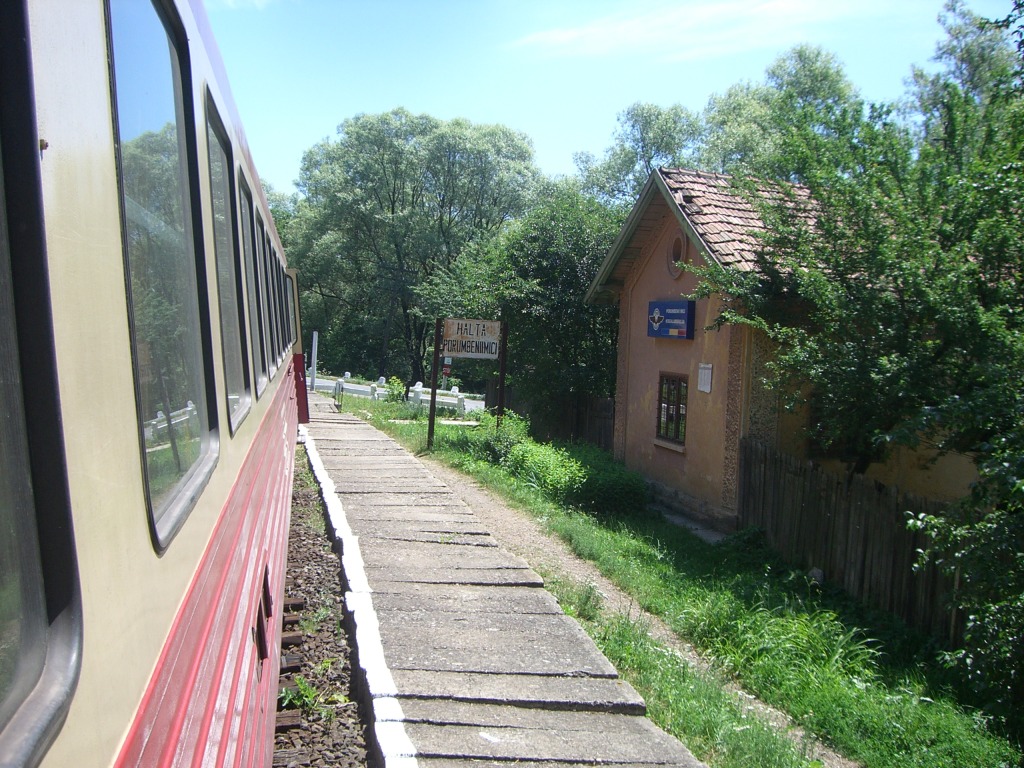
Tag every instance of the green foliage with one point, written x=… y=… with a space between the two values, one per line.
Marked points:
x=795 y=647
x=551 y=470
x=981 y=542
x=490 y=442
x=648 y=137
x=608 y=487
x=810 y=652
x=695 y=706
x=395 y=199
x=899 y=314
x=313 y=702
x=740 y=131
x=535 y=275
x=395 y=390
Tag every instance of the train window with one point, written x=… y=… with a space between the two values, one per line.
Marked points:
x=261 y=238
x=164 y=279
x=22 y=607
x=252 y=274
x=272 y=304
x=275 y=290
x=40 y=608
x=282 y=292
x=292 y=319
x=236 y=372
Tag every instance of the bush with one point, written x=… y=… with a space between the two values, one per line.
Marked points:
x=609 y=488
x=489 y=443
x=549 y=469
x=396 y=390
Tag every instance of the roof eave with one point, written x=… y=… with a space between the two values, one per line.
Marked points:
x=597 y=292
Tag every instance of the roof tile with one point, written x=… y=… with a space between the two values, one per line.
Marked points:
x=721 y=216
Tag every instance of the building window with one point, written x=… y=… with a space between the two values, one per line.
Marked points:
x=672 y=390
x=676 y=256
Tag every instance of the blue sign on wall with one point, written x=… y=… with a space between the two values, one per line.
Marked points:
x=671 y=319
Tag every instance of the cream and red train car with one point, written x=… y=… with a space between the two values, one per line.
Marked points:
x=149 y=396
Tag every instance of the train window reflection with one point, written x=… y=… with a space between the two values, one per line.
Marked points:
x=160 y=258
x=232 y=339
x=22 y=611
x=252 y=274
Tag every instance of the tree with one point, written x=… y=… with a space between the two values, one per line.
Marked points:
x=534 y=276
x=648 y=137
x=895 y=297
x=746 y=129
x=396 y=198
x=741 y=131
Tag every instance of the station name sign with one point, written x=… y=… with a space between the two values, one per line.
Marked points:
x=671 y=319
x=471 y=338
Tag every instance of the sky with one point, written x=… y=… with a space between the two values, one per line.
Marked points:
x=559 y=71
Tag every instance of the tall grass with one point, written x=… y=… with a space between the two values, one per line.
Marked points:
x=695 y=706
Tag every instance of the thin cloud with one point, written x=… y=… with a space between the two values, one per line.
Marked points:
x=699 y=29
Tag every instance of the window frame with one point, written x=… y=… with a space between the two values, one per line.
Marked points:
x=215 y=125
x=37 y=715
x=168 y=516
x=668 y=429
x=261 y=370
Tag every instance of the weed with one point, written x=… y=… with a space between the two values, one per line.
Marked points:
x=310 y=623
x=312 y=702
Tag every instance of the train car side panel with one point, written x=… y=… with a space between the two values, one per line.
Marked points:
x=195 y=694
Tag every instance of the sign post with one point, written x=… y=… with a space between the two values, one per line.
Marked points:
x=433 y=384
x=461 y=337
x=312 y=363
x=501 y=372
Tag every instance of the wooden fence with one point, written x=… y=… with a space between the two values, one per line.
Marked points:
x=573 y=418
x=852 y=528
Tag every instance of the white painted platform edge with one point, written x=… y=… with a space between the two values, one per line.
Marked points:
x=388 y=718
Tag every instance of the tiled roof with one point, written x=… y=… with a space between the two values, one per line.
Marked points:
x=721 y=216
x=716 y=213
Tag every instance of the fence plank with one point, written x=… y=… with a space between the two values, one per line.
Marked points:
x=852 y=528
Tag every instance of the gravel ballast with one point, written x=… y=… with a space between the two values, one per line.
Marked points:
x=330 y=729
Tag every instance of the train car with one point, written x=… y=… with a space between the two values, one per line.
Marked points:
x=151 y=386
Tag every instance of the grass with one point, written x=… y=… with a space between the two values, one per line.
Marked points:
x=695 y=706
x=854 y=678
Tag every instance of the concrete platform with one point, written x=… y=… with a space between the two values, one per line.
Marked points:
x=464 y=659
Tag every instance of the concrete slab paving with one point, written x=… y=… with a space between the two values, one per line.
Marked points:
x=454 y=538
x=355 y=466
x=642 y=743
x=447 y=762
x=546 y=644
x=437 y=497
x=459 y=598
x=451 y=514
x=378 y=552
x=442 y=711
x=589 y=694
x=386 y=527
x=361 y=484
x=465 y=659
x=507 y=577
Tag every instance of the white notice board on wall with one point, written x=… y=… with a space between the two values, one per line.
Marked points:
x=704 y=377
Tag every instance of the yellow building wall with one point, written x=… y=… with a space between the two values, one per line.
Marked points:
x=702 y=470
